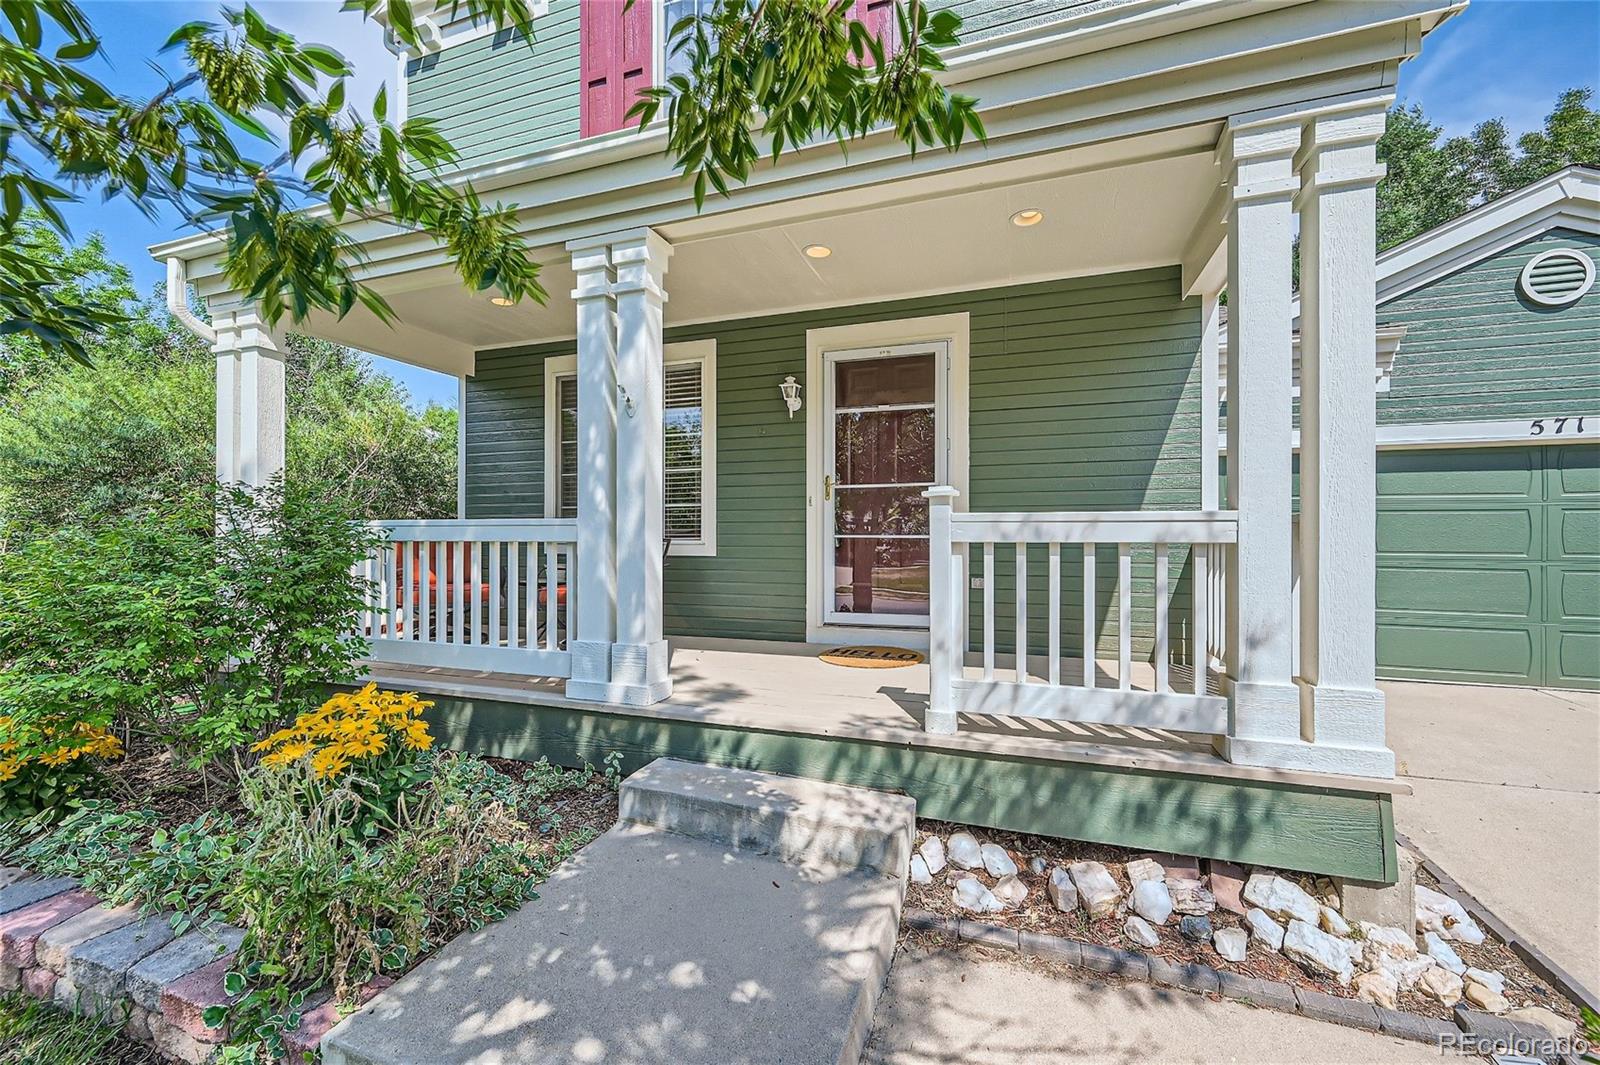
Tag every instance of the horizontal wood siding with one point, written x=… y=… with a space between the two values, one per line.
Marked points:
x=1476 y=349
x=1084 y=396
x=499 y=96
x=982 y=19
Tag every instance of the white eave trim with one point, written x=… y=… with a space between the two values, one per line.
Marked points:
x=1557 y=427
x=1388 y=346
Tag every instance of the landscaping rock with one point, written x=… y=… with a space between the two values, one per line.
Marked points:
x=1195 y=928
x=1378 y=988
x=1405 y=971
x=1097 y=891
x=932 y=851
x=100 y=966
x=1394 y=942
x=970 y=894
x=919 y=870
x=20 y=929
x=1190 y=896
x=1281 y=898
x=964 y=851
x=1553 y=1023
x=1011 y=891
x=1441 y=985
x=1139 y=930
x=1038 y=866
x=1443 y=953
x=1329 y=920
x=1227 y=885
x=1517 y=1040
x=1152 y=901
x=1486 y=998
x=1231 y=943
x=1063 y=895
x=996 y=861
x=177 y=959
x=1494 y=981
x=1440 y=913
x=55 y=944
x=1263 y=928
x=1144 y=869
x=1317 y=951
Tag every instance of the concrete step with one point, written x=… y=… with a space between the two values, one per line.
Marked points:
x=658 y=947
x=795 y=820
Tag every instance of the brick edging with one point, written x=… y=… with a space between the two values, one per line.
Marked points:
x=1266 y=994
x=1531 y=956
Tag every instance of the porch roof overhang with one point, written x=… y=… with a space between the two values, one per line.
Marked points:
x=1108 y=122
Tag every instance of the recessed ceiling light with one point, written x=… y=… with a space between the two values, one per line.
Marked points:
x=1028 y=216
x=817 y=251
x=501 y=301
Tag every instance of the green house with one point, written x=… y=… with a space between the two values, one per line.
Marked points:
x=962 y=404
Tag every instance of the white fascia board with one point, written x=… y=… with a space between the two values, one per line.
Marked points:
x=1558 y=427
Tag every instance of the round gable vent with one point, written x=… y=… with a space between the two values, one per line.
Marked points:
x=1556 y=278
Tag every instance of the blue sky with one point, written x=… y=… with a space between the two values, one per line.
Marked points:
x=1500 y=58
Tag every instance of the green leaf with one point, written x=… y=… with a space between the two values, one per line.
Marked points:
x=380 y=103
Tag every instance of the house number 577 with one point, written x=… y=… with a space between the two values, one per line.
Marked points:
x=1537 y=427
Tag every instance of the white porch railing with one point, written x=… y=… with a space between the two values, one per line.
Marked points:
x=488 y=595
x=1051 y=694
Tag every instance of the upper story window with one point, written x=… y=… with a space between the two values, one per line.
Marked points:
x=672 y=12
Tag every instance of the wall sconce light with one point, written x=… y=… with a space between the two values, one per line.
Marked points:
x=791 y=394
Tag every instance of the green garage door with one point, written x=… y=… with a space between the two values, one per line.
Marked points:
x=1489 y=565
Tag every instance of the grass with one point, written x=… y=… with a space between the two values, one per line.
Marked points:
x=34 y=1033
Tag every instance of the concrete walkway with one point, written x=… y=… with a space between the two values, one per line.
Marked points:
x=1506 y=798
x=948 y=1005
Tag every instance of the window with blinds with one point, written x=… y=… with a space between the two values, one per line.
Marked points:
x=685 y=466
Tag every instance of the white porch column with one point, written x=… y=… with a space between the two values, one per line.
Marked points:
x=639 y=661
x=250 y=404
x=1338 y=439
x=1264 y=717
x=594 y=607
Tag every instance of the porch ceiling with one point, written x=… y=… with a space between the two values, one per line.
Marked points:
x=1107 y=208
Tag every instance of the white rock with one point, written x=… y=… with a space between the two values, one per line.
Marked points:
x=1317 y=951
x=1281 y=898
x=1378 y=988
x=932 y=851
x=1444 y=915
x=1038 y=866
x=1553 y=1023
x=1405 y=971
x=1441 y=985
x=1139 y=930
x=1494 y=981
x=1144 y=869
x=965 y=852
x=1395 y=942
x=1486 y=998
x=1331 y=921
x=1011 y=891
x=1263 y=928
x=997 y=861
x=1352 y=948
x=1152 y=901
x=970 y=894
x=1443 y=953
x=1097 y=891
x=1063 y=895
x=1231 y=943
x=1191 y=896
x=1465 y=932
x=919 y=870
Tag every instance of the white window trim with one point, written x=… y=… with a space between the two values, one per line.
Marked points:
x=957 y=330
x=703 y=352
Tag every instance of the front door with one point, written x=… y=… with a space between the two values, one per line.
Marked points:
x=884 y=444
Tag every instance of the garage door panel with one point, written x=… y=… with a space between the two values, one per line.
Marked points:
x=1459 y=650
x=1478 y=532
x=1572 y=595
x=1572 y=657
x=1573 y=530
x=1479 y=474
x=1574 y=472
x=1461 y=591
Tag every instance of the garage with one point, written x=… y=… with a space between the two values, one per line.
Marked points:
x=1489 y=564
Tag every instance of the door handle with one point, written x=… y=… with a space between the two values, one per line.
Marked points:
x=827 y=487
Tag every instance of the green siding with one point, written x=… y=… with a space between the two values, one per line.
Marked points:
x=1084 y=396
x=1313 y=829
x=982 y=19
x=1476 y=350
x=499 y=96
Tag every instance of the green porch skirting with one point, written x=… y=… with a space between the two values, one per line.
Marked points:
x=1311 y=829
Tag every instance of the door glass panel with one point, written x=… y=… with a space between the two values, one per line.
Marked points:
x=873 y=575
x=884 y=447
x=880 y=382
x=880 y=512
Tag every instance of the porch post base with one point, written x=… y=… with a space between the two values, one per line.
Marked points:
x=941 y=723
x=640 y=673
x=591 y=670
x=1347 y=760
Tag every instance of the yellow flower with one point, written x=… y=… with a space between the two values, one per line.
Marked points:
x=9 y=768
x=363 y=744
x=329 y=762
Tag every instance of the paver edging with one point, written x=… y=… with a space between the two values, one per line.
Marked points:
x=1191 y=976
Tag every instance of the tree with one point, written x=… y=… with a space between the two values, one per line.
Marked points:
x=1429 y=183
x=813 y=69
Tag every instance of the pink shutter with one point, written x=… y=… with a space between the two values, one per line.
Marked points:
x=878 y=16
x=616 y=51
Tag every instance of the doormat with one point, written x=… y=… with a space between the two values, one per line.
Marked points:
x=871 y=657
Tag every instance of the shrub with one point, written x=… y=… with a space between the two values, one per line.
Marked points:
x=44 y=765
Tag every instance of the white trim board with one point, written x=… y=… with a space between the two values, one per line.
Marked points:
x=956 y=329
x=703 y=352
x=1558 y=428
